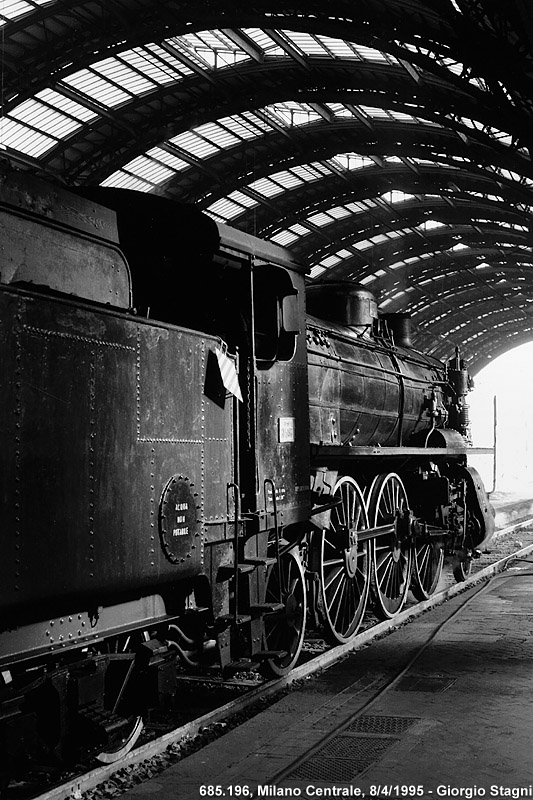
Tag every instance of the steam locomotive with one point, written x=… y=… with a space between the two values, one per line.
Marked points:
x=192 y=468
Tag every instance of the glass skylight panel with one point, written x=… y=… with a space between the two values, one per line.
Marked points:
x=330 y=261
x=307 y=44
x=266 y=187
x=400 y=116
x=243 y=199
x=308 y=173
x=363 y=244
x=430 y=224
x=396 y=196
x=293 y=114
x=225 y=209
x=398 y=264
x=352 y=161
x=124 y=180
x=187 y=44
x=97 y=88
x=284 y=238
x=219 y=135
x=471 y=123
x=287 y=179
x=174 y=162
x=150 y=170
x=161 y=70
x=25 y=140
x=243 y=128
x=165 y=61
x=507 y=173
x=339 y=48
x=205 y=39
x=320 y=219
x=263 y=40
x=454 y=66
x=62 y=103
x=421 y=162
x=339 y=212
x=211 y=49
x=361 y=206
x=45 y=119
x=371 y=54
x=299 y=229
x=373 y=112
x=229 y=57
x=193 y=143
x=339 y=109
x=11 y=9
x=14 y=8
x=128 y=79
x=316 y=271
x=380 y=238
x=321 y=167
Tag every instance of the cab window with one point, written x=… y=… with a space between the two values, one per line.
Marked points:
x=276 y=316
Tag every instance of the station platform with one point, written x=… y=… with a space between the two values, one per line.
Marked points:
x=439 y=707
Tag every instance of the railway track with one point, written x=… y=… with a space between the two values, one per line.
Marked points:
x=170 y=737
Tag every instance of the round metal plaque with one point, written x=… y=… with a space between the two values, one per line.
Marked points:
x=178 y=521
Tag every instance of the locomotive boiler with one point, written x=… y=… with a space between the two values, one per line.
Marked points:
x=193 y=469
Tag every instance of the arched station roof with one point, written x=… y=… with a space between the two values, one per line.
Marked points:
x=386 y=142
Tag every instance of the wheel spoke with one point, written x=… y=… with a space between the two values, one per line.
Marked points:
x=285 y=631
x=344 y=564
x=428 y=559
x=392 y=558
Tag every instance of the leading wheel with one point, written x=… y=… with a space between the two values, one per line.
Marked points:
x=284 y=630
x=462 y=561
x=428 y=558
x=387 y=500
x=462 y=566
x=344 y=564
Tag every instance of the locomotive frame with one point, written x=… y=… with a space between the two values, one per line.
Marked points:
x=177 y=481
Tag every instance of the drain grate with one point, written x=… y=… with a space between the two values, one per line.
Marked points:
x=420 y=683
x=341 y=759
x=327 y=771
x=354 y=747
x=389 y=726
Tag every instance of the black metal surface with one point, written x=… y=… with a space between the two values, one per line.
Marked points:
x=103 y=411
x=282 y=432
x=362 y=393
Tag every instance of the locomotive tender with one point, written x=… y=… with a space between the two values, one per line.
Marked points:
x=194 y=469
